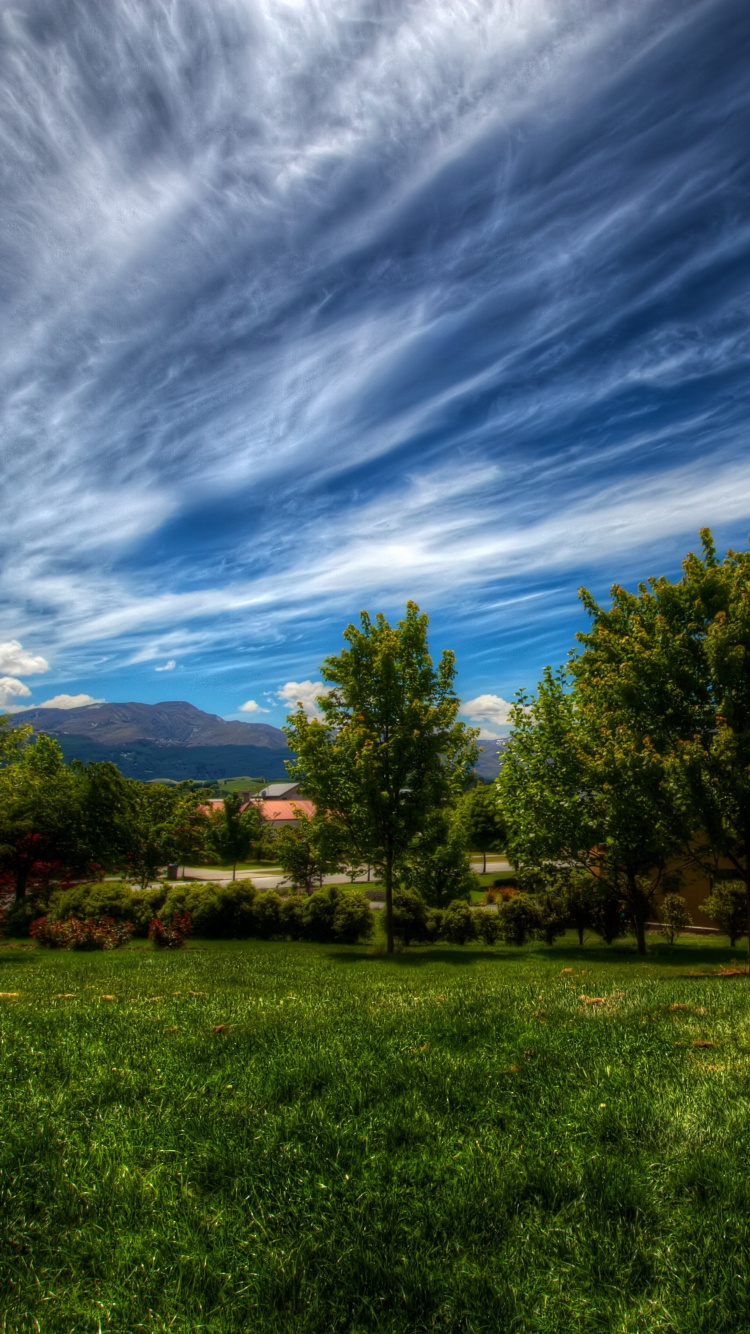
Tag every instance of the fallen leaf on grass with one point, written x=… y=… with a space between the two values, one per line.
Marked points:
x=678 y=1005
x=9 y=995
x=106 y=998
x=593 y=1000
x=174 y=1029
x=64 y=995
x=566 y=970
x=220 y=1028
x=704 y=1044
x=733 y=972
x=196 y=993
x=155 y=998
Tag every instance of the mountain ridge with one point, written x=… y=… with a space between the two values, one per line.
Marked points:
x=170 y=723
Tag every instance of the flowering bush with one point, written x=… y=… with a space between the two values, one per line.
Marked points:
x=170 y=935
x=101 y=933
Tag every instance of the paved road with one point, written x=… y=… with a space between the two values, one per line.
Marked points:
x=272 y=877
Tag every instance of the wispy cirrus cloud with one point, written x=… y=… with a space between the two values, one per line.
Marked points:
x=306 y=307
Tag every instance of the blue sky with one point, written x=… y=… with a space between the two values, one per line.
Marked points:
x=313 y=305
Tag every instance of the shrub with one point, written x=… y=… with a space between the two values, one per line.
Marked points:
x=409 y=916
x=291 y=917
x=102 y=933
x=519 y=919
x=267 y=914
x=553 y=917
x=487 y=925
x=352 y=920
x=434 y=924
x=726 y=905
x=674 y=916
x=458 y=923
x=170 y=935
x=337 y=914
x=18 y=917
x=218 y=911
x=108 y=899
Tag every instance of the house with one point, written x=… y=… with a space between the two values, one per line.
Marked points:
x=280 y=791
x=279 y=813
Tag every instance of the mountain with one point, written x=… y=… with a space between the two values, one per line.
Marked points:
x=168 y=740
x=488 y=764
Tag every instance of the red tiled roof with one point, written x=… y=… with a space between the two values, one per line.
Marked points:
x=285 y=810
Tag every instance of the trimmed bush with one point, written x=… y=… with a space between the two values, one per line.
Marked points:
x=409 y=916
x=519 y=919
x=267 y=915
x=108 y=898
x=291 y=914
x=458 y=923
x=170 y=935
x=18 y=917
x=487 y=926
x=218 y=911
x=353 y=920
x=553 y=917
x=434 y=924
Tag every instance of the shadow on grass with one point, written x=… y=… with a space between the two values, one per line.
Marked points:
x=414 y=957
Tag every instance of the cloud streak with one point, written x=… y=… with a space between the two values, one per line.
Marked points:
x=311 y=306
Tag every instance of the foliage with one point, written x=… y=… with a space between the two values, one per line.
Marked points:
x=101 y=933
x=674 y=916
x=111 y=899
x=217 y=911
x=163 y=823
x=170 y=935
x=234 y=834
x=267 y=917
x=409 y=916
x=458 y=923
x=726 y=905
x=41 y=818
x=437 y=864
x=388 y=749
x=337 y=914
x=487 y=926
x=552 y=917
x=483 y=819
x=291 y=922
x=519 y=919
x=312 y=848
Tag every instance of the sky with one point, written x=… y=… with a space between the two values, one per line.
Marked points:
x=308 y=306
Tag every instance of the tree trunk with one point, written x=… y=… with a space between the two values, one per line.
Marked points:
x=580 y=930
x=389 y=905
x=234 y=871
x=747 y=898
x=484 y=863
x=639 y=914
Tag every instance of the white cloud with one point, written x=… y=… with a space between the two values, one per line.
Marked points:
x=250 y=706
x=304 y=692
x=15 y=659
x=487 y=709
x=11 y=689
x=168 y=666
x=68 y=702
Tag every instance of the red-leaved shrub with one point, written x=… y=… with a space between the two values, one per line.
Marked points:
x=170 y=935
x=101 y=933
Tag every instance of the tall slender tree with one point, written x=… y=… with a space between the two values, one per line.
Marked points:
x=389 y=748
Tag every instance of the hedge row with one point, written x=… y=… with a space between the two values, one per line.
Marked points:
x=233 y=911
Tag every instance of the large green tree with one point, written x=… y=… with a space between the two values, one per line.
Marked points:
x=483 y=819
x=237 y=831
x=389 y=748
x=41 y=812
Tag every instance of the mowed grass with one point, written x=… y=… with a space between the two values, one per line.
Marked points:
x=270 y=1137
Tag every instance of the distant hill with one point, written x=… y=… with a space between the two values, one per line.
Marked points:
x=488 y=764
x=168 y=740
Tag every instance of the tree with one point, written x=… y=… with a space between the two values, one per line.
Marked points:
x=584 y=789
x=674 y=916
x=236 y=833
x=388 y=749
x=314 y=847
x=485 y=825
x=437 y=864
x=41 y=822
x=163 y=824
x=726 y=907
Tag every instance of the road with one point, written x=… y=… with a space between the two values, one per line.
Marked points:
x=272 y=876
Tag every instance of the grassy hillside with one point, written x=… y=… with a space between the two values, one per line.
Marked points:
x=303 y=1138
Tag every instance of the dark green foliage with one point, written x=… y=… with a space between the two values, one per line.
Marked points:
x=100 y=933
x=234 y=834
x=486 y=925
x=553 y=917
x=218 y=911
x=267 y=921
x=337 y=914
x=674 y=916
x=108 y=898
x=483 y=819
x=434 y=924
x=519 y=919
x=458 y=923
x=17 y=917
x=726 y=905
x=292 y=917
x=437 y=865
x=409 y=916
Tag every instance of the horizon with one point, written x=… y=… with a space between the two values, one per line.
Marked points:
x=310 y=309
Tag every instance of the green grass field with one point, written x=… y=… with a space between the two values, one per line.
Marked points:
x=270 y=1137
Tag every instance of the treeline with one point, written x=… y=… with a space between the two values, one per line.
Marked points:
x=631 y=764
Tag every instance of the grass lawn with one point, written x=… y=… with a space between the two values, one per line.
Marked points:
x=269 y=1137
